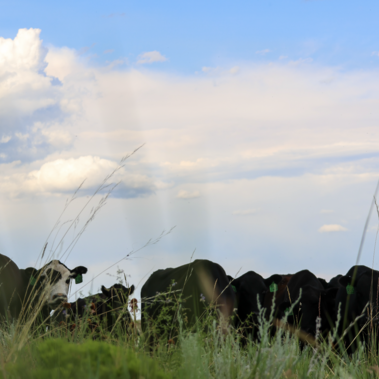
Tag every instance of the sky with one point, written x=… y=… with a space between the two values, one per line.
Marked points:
x=256 y=123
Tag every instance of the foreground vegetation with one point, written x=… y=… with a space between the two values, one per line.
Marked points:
x=207 y=351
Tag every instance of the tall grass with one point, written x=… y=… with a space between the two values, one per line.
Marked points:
x=203 y=351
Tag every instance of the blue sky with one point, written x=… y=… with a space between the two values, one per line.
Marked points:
x=196 y=34
x=259 y=119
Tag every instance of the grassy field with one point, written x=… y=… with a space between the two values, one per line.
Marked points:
x=207 y=351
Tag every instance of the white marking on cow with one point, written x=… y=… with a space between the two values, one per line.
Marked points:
x=59 y=290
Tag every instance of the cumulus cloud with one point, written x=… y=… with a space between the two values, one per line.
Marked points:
x=183 y=194
x=269 y=120
x=62 y=176
x=151 y=57
x=246 y=212
x=332 y=228
x=27 y=95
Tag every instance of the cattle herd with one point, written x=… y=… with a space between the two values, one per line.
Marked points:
x=347 y=304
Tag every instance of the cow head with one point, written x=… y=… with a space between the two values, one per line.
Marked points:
x=54 y=279
x=314 y=303
x=117 y=293
x=363 y=291
x=251 y=288
x=116 y=298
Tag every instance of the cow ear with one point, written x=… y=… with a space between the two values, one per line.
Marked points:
x=312 y=293
x=31 y=275
x=276 y=279
x=345 y=280
x=77 y=273
x=131 y=290
x=233 y=283
x=323 y=282
x=78 y=270
x=106 y=291
x=30 y=271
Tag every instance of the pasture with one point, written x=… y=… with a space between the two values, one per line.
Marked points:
x=208 y=349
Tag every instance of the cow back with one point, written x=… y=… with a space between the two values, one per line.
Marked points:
x=193 y=286
x=10 y=289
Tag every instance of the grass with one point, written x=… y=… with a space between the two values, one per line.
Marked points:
x=207 y=350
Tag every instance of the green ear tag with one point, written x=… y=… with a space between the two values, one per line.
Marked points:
x=234 y=288
x=32 y=280
x=78 y=279
x=273 y=287
x=288 y=311
x=350 y=289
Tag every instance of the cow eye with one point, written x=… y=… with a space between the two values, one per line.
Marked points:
x=68 y=281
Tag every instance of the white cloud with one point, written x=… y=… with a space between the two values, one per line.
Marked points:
x=65 y=175
x=22 y=137
x=246 y=212
x=183 y=194
x=109 y=51
x=332 y=228
x=268 y=120
x=24 y=53
x=57 y=137
x=151 y=57
x=5 y=139
x=263 y=52
x=375 y=53
x=115 y=63
x=23 y=89
x=25 y=92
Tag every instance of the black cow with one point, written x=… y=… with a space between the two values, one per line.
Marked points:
x=251 y=289
x=21 y=290
x=184 y=292
x=314 y=305
x=104 y=309
x=277 y=292
x=358 y=297
x=334 y=282
x=323 y=282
